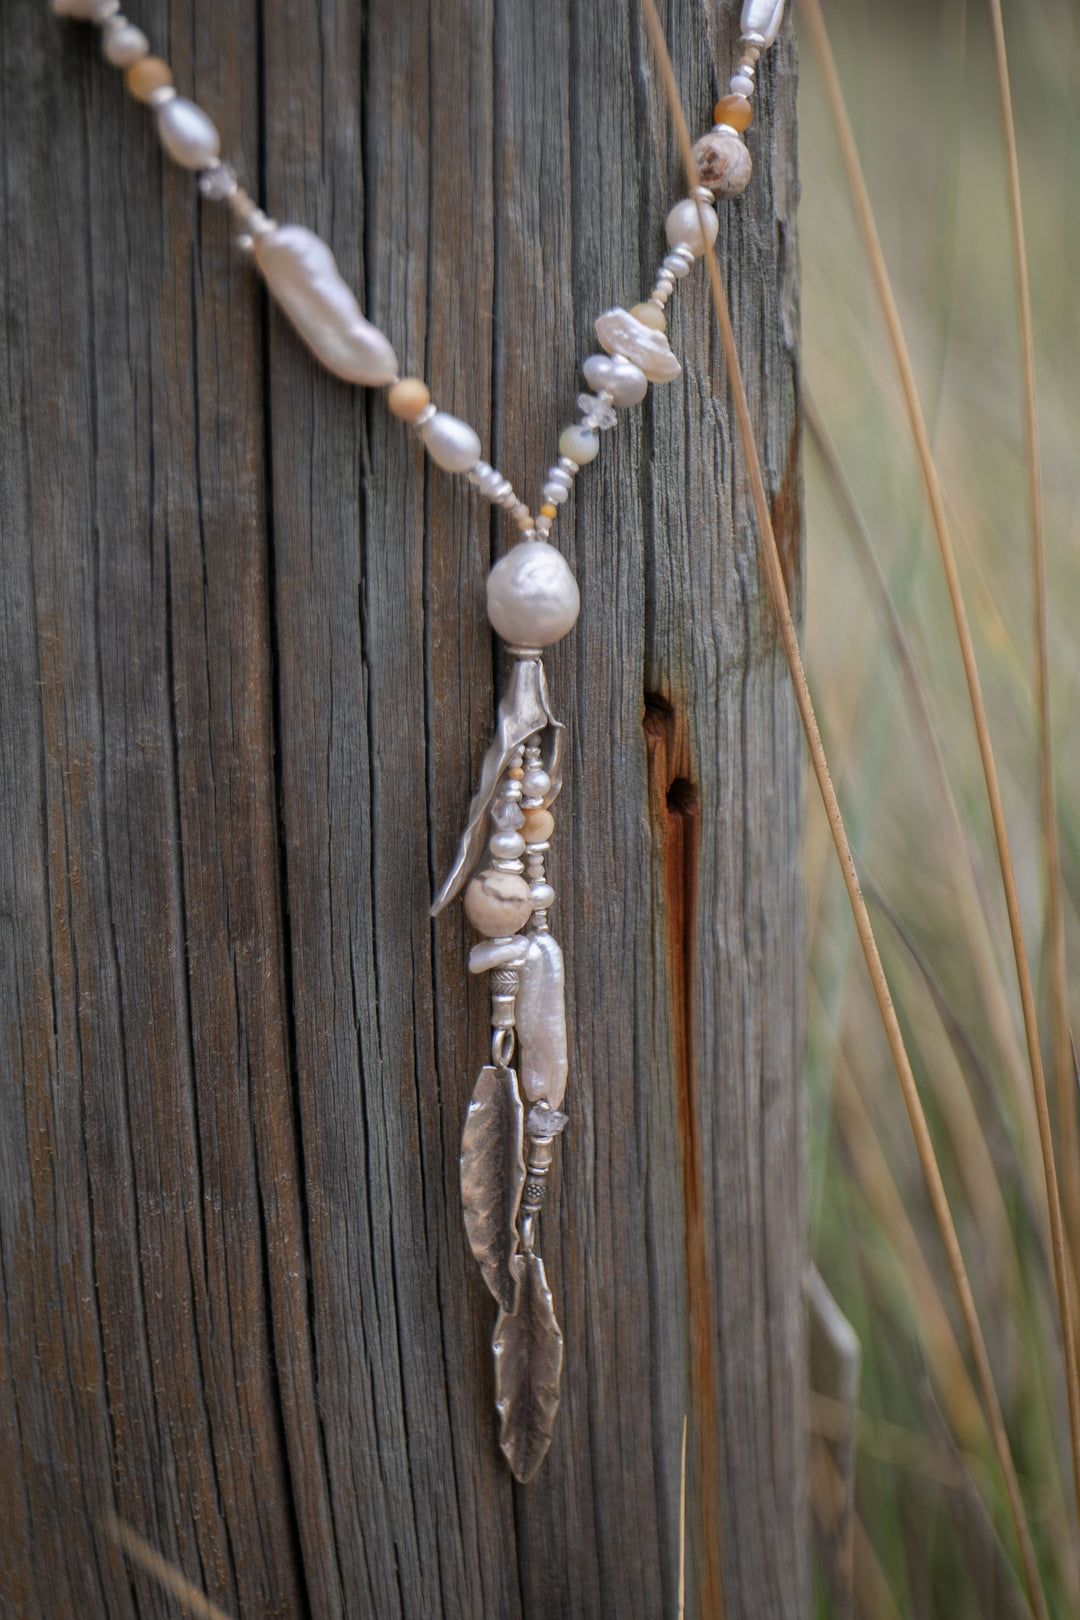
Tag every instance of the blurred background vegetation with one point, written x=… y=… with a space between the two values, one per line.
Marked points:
x=931 y=1534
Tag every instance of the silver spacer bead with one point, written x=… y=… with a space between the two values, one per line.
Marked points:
x=161 y=96
x=568 y=465
x=702 y=194
x=425 y=415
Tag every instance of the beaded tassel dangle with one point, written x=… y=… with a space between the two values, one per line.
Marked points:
x=532 y=599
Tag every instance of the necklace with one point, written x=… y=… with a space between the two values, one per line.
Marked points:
x=516 y=1114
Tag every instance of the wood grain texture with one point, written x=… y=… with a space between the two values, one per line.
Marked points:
x=245 y=685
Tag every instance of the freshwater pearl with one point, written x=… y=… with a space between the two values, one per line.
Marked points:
x=532 y=597
x=580 y=443
x=762 y=17
x=187 y=133
x=506 y=846
x=122 y=46
x=540 y=1015
x=624 y=334
x=536 y=783
x=450 y=442
x=612 y=374
x=301 y=273
x=497 y=903
x=723 y=162
x=683 y=226
x=496 y=953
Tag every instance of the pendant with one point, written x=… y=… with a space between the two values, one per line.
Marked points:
x=508 y=1141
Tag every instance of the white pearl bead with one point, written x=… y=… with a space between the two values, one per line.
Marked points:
x=611 y=374
x=542 y=896
x=301 y=273
x=450 y=442
x=532 y=597
x=683 y=226
x=742 y=84
x=581 y=444
x=122 y=46
x=187 y=133
x=555 y=493
x=536 y=783
x=507 y=846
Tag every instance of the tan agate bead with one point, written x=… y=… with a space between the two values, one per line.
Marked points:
x=723 y=163
x=538 y=826
x=734 y=110
x=150 y=73
x=650 y=315
x=498 y=903
x=407 y=398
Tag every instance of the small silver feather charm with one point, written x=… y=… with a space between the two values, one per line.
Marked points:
x=528 y=1347
x=492 y=1176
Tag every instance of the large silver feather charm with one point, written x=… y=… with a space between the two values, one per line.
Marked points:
x=492 y=1176
x=528 y=1346
x=524 y=711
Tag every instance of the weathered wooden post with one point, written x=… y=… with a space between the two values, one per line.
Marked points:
x=245 y=681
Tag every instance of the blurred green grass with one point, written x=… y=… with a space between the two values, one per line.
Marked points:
x=919 y=80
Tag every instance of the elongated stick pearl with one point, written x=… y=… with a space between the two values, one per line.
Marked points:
x=303 y=277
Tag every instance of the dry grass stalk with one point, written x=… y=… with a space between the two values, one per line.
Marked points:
x=187 y=1595
x=816 y=26
x=789 y=638
x=1055 y=910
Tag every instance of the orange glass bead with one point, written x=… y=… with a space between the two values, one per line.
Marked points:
x=734 y=110
x=150 y=73
x=549 y=509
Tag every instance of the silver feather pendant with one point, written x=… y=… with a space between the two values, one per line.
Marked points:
x=506 y=1152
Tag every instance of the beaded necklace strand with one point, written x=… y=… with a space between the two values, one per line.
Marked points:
x=532 y=602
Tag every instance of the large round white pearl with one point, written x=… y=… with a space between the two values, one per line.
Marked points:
x=532 y=597
x=122 y=46
x=187 y=133
x=580 y=443
x=611 y=374
x=303 y=277
x=683 y=226
x=450 y=442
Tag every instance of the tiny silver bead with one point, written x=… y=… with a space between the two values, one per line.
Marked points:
x=159 y=97
x=426 y=414
x=569 y=465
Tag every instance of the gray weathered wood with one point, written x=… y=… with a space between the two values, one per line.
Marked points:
x=245 y=685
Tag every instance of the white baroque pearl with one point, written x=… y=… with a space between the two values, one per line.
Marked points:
x=683 y=225
x=763 y=17
x=507 y=846
x=622 y=333
x=122 y=46
x=303 y=277
x=187 y=133
x=450 y=442
x=611 y=374
x=536 y=783
x=580 y=443
x=540 y=1015
x=532 y=597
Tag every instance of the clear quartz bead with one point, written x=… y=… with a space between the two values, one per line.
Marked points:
x=596 y=411
x=218 y=183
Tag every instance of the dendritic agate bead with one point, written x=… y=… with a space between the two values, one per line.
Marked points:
x=303 y=277
x=532 y=597
x=615 y=375
x=624 y=334
x=498 y=903
x=540 y=1015
x=683 y=226
x=724 y=163
x=187 y=133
